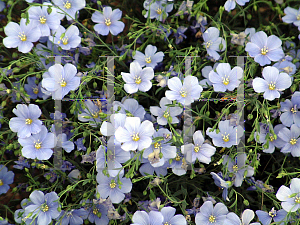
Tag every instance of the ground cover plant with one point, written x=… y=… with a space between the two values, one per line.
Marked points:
x=155 y=112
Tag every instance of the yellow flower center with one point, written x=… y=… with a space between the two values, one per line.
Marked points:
x=166 y=114
x=297 y=200
x=28 y=121
x=272 y=213
x=235 y=168
x=107 y=22
x=177 y=158
x=35 y=90
x=65 y=40
x=225 y=80
x=271 y=138
x=166 y=223
x=183 y=94
x=22 y=36
x=67 y=5
x=112 y=184
x=95 y=211
x=272 y=86
x=63 y=83
x=43 y=19
x=148 y=59
x=212 y=219
x=135 y=137
x=1 y=182
x=157 y=145
x=287 y=69
x=138 y=80
x=208 y=44
x=159 y=11
x=38 y=145
x=293 y=141
x=196 y=148
x=293 y=110
x=45 y=208
x=264 y=50
x=298 y=17
x=95 y=115
x=225 y=137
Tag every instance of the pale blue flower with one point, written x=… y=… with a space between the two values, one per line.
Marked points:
x=205 y=83
x=170 y=218
x=38 y=145
x=130 y=107
x=44 y=206
x=151 y=57
x=90 y=114
x=116 y=120
x=290 y=197
x=199 y=150
x=26 y=122
x=72 y=217
x=21 y=36
x=272 y=83
x=45 y=21
x=6 y=178
x=138 y=78
x=33 y=89
x=292 y=142
x=66 y=39
x=286 y=67
x=110 y=187
x=165 y=113
x=230 y=4
x=2 y=6
x=69 y=7
x=225 y=78
x=276 y=215
x=213 y=43
x=143 y=218
x=290 y=114
x=211 y=215
x=228 y=135
x=265 y=49
x=158 y=10
x=147 y=168
x=292 y=16
x=108 y=21
x=62 y=80
x=185 y=93
x=247 y=216
x=135 y=135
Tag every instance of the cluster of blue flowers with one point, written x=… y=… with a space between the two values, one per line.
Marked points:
x=128 y=142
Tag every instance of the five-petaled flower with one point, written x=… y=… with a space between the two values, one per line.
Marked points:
x=69 y=7
x=21 y=36
x=213 y=43
x=211 y=215
x=265 y=49
x=290 y=197
x=108 y=21
x=151 y=57
x=26 y=122
x=272 y=83
x=138 y=78
x=60 y=80
x=66 y=39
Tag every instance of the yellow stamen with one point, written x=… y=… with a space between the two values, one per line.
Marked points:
x=271 y=138
x=95 y=211
x=63 y=83
x=38 y=145
x=272 y=86
x=112 y=185
x=212 y=219
x=1 y=182
x=196 y=148
x=148 y=59
x=28 y=121
x=43 y=19
x=297 y=200
x=183 y=94
x=22 y=36
x=35 y=90
x=298 y=17
x=107 y=22
x=135 y=137
x=157 y=145
x=293 y=141
x=293 y=110
x=45 y=208
x=65 y=40
x=225 y=80
x=177 y=158
x=138 y=80
x=264 y=50
x=159 y=11
x=208 y=44
x=225 y=137
x=67 y=5
x=166 y=114
x=235 y=168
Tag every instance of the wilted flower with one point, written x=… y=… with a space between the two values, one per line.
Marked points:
x=108 y=21
x=179 y=35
